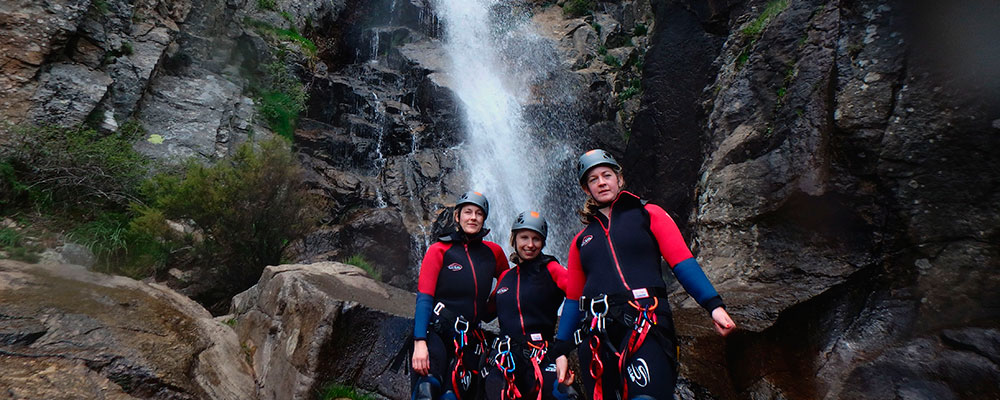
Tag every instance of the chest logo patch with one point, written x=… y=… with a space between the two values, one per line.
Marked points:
x=455 y=267
x=502 y=290
x=586 y=239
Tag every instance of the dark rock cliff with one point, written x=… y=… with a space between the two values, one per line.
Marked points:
x=844 y=202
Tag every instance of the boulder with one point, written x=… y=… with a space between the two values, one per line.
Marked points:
x=69 y=333
x=307 y=325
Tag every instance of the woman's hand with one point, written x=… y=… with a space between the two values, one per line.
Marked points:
x=563 y=373
x=421 y=359
x=723 y=324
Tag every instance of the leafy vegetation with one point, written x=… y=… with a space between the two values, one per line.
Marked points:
x=250 y=207
x=612 y=61
x=13 y=244
x=360 y=261
x=289 y=34
x=269 y=5
x=772 y=9
x=339 y=391
x=578 y=8
x=47 y=166
x=753 y=30
x=640 y=29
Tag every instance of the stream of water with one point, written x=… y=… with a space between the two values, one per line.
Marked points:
x=492 y=67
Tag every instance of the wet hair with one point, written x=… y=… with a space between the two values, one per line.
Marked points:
x=591 y=207
x=513 y=257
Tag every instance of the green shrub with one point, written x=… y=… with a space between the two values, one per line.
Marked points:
x=360 y=261
x=628 y=93
x=612 y=61
x=280 y=97
x=578 y=8
x=601 y=50
x=250 y=206
x=76 y=166
x=10 y=238
x=269 y=5
x=122 y=246
x=640 y=30
x=339 y=391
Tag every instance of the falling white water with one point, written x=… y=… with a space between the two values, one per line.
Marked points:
x=504 y=157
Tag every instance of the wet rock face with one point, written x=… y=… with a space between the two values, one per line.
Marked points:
x=69 y=333
x=841 y=207
x=307 y=325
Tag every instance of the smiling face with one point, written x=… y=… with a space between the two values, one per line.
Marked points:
x=528 y=244
x=603 y=184
x=470 y=218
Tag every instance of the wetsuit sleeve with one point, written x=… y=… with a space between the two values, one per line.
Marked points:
x=575 y=278
x=571 y=305
x=570 y=280
x=501 y=259
x=678 y=256
x=426 y=285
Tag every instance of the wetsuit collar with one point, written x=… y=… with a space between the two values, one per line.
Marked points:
x=538 y=262
x=625 y=198
x=462 y=237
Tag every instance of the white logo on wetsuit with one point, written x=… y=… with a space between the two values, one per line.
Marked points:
x=586 y=239
x=502 y=290
x=550 y=368
x=639 y=372
x=455 y=267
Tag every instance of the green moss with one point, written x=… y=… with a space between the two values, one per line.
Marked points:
x=772 y=9
x=269 y=5
x=287 y=34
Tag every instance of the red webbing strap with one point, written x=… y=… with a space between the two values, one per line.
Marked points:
x=458 y=373
x=510 y=392
x=596 y=367
x=536 y=359
x=643 y=324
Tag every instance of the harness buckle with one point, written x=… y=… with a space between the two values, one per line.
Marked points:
x=438 y=307
x=461 y=322
x=503 y=345
x=599 y=302
x=578 y=337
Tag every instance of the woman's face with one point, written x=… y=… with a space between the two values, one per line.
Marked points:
x=470 y=219
x=603 y=184
x=528 y=244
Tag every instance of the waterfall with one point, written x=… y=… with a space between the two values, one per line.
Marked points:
x=494 y=61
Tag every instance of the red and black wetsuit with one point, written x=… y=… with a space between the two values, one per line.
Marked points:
x=457 y=272
x=527 y=299
x=619 y=256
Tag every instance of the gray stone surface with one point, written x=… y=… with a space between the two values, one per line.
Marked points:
x=69 y=333
x=67 y=94
x=306 y=325
x=187 y=113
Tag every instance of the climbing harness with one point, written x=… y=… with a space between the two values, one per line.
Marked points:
x=626 y=310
